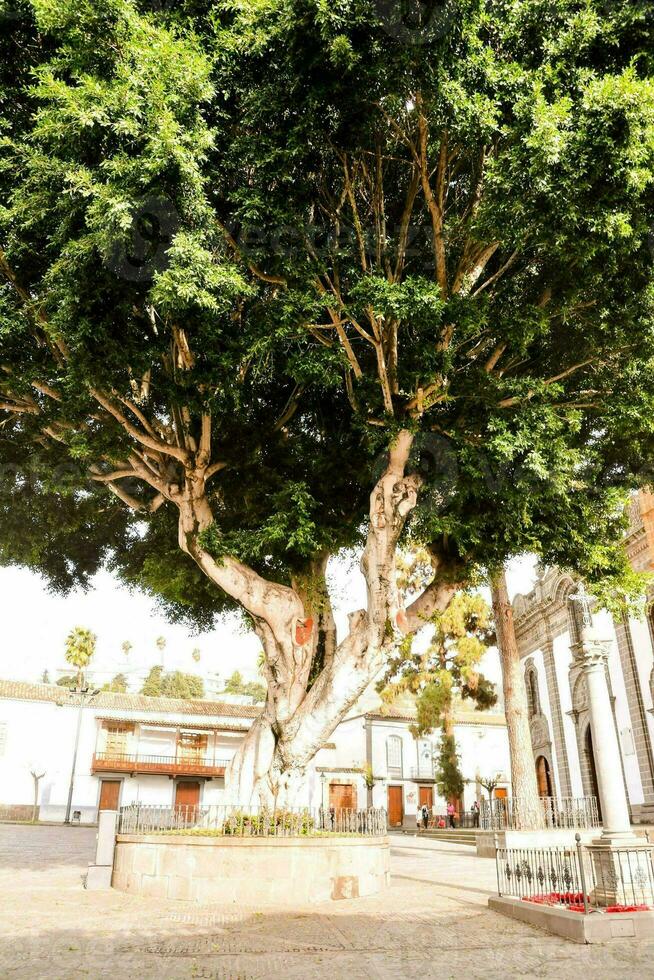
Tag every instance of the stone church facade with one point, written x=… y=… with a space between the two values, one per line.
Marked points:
x=548 y=629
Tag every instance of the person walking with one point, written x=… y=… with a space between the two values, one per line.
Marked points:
x=475 y=813
x=450 y=814
x=418 y=818
x=425 y=816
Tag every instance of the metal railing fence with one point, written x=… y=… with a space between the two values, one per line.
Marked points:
x=563 y=813
x=579 y=878
x=228 y=820
x=423 y=772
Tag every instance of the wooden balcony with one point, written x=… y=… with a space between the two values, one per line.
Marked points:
x=160 y=765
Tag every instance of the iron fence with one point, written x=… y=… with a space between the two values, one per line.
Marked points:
x=582 y=879
x=227 y=820
x=563 y=813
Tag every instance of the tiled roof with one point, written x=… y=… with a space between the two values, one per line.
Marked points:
x=24 y=691
x=403 y=713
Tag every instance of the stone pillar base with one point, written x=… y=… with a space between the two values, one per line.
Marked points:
x=621 y=869
x=98 y=878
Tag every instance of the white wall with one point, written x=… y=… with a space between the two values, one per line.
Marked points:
x=36 y=734
x=484 y=751
x=605 y=629
x=642 y=642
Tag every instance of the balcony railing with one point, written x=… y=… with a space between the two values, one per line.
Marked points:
x=424 y=773
x=169 y=765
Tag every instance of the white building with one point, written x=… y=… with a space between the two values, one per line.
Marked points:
x=164 y=751
x=548 y=631
x=130 y=748
x=379 y=742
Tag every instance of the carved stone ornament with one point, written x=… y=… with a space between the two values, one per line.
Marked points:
x=592 y=653
x=580 y=695
x=540 y=731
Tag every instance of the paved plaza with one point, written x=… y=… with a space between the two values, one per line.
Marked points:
x=432 y=923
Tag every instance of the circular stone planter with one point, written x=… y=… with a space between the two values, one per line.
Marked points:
x=251 y=870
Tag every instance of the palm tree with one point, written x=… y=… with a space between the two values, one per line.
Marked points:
x=80 y=648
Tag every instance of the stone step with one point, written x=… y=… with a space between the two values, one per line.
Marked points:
x=452 y=836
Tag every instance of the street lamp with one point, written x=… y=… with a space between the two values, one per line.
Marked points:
x=82 y=694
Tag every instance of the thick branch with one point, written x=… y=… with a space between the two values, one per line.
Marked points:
x=151 y=442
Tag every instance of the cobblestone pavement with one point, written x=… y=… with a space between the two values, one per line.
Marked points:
x=433 y=922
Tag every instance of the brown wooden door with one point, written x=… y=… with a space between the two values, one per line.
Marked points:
x=342 y=796
x=187 y=794
x=426 y=797
x=395 y=806
x=109 y=794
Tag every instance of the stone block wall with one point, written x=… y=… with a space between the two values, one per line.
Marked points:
x=251 y=871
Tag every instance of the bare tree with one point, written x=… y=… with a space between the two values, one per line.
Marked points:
x=37 y=776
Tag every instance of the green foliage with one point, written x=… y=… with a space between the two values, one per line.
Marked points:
x=269 y=823
x=153 y=682
x=449 y=779
x=80 y=648
x=446 y=668
x=236 y=685
x=625 y=593
x=68 y=680
x=170 y=169
x=117 y=685
x=175 y=684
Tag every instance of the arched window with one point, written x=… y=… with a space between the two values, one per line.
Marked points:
x=394 y=755
x=533 y=696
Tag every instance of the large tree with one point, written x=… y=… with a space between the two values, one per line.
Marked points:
x=283 y=277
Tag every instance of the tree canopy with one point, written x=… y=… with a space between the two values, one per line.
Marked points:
x=442 y=226
x=117 y=685
x=262 y=259
x=252 y=689
x=175 y=684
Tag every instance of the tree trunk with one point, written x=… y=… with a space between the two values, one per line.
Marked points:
x=312 y=681
x=35 y=804
x=528 y=810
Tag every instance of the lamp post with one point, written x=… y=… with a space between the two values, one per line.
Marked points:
x=82 y=693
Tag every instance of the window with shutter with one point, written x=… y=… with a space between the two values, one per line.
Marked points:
x=394 y=753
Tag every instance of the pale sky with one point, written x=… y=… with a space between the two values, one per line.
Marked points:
x=34 y=624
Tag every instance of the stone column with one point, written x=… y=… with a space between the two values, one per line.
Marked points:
x=592 y=656
x=98 y=877
x=620 y=861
